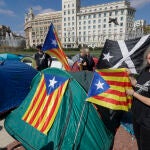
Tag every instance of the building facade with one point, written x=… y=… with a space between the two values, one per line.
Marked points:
x=76 y=25
x=36 y=27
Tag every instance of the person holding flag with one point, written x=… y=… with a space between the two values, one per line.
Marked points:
x=141 y=104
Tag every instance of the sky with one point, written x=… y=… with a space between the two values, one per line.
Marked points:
x=12 y=12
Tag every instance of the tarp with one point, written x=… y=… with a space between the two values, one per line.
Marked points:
x=77 y=124
x=15 y=80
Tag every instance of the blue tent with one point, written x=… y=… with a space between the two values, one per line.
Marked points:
x=7 y=56
x=15 y=80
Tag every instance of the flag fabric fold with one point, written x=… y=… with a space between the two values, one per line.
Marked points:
x=124 y=54
x=115 y=97
x=52 y=46
x=45 y=103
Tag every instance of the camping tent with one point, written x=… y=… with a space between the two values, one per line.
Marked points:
x=15 y=79
x=7 y=56
x=77 y=124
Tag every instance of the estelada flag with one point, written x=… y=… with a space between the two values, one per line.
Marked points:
x=45 y=103
x=52 y=46
x=115 y=97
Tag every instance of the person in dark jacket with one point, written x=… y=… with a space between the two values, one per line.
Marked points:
x=90 y=61
x=141 y=104
x=82 y=61
x=42 y=59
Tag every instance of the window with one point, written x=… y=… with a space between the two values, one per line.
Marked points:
x=121 y=24
x=116 y=12
x=94 y=26
x=122 y=11
x=94 y=21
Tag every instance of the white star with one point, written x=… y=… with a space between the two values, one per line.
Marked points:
x=99 y=85
x=54 y=43
x=52 y=82
x=107 y=56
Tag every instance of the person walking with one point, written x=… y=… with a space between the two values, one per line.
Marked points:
x=42 y=59
x=141 y=104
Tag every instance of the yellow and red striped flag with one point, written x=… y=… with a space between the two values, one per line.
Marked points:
x=52 y=46
x=45 y=102
x=115 y=97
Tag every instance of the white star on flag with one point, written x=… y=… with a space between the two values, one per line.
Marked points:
x=54 y=43
x=107 y=56
x=52 y=82
x=99 y=85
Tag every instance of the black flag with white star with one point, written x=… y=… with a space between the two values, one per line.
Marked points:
x=129 y=54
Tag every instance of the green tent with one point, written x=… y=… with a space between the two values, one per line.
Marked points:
x=77 y=124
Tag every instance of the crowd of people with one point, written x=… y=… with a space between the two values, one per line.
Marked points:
x=43 y=60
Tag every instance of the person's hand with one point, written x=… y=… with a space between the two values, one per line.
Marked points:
x=131 y=77
x=133 y=81
x=79 y=63
x=130 y=92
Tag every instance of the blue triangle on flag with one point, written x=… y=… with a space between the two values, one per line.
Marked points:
x=53 y=82
x=98 y=85
x=50 y=40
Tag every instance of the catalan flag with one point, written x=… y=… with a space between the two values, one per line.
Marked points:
x=45 y=103
x=115 y=97
x=52 y=46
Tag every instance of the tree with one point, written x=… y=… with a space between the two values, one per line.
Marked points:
x=146 y=29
